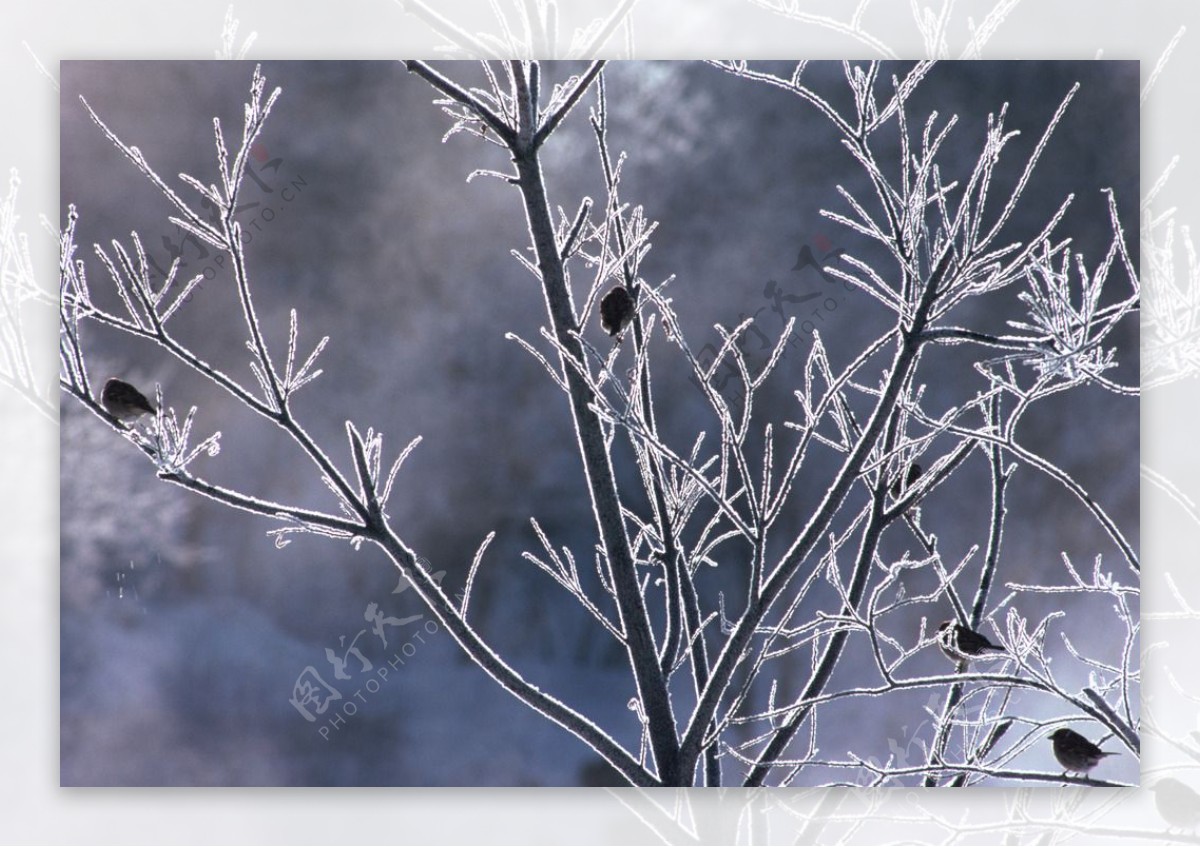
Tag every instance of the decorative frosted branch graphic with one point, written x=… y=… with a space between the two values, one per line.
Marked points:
x=530 y=28
x=19 y=290
x=936 y=28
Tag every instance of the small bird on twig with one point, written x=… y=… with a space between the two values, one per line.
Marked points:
x=124 y=402
x=962 y=644
x=616 y=310
x=1074 y=752
x=902 y=484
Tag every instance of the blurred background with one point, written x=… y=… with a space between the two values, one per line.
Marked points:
x=185 y=632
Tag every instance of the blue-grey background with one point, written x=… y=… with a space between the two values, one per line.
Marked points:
x=184 y=629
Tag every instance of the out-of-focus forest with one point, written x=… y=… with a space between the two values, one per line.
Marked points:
x=185 y=630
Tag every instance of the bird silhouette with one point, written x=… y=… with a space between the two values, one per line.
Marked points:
x=123 y=401
x=616 y=310
x=902 y=484
x=962 y=644
x=1177 y=803
x=1074 y=752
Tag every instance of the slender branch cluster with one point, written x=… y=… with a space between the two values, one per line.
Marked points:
x=19 y=287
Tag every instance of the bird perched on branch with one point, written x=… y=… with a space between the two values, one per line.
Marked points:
x=1074 y=752
x=124 y=402
x=962 y=644
x=903 y=483
x=616 y=310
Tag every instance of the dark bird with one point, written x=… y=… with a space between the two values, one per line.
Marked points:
x=900 y=485
x=123 y=401
x=616 y=310
x=1177 y=803
x=1074 y=752
x=961 y=643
